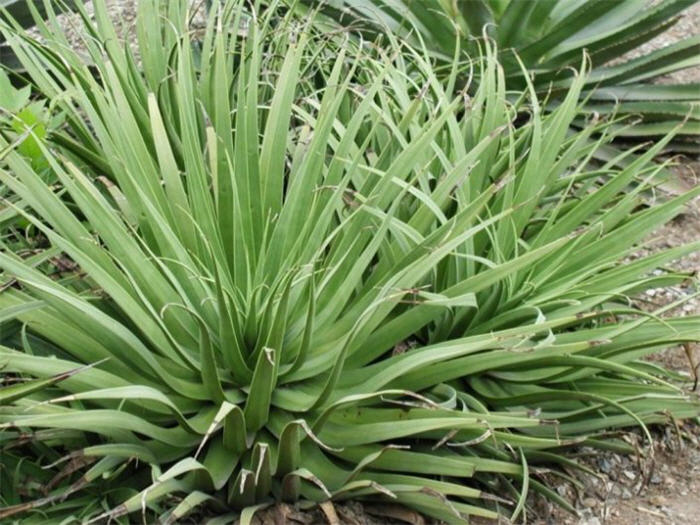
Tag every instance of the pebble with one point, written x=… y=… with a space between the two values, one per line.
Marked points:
x=590 y=502
x=659 y=501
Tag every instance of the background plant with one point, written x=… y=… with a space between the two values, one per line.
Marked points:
x=306 y=270
x=549 y=38
x=23 y=123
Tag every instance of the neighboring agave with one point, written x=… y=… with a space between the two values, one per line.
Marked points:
x=549 y=37
x=308 y=272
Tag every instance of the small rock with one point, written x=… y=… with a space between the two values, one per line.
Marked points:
x=629 y=474
x=589 y=521
x=605 y=465
x=590 y=502
x=659 y=501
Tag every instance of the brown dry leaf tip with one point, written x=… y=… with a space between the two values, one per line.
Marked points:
x=504 y=181
x=422 y=91
x=310 y=433
x=444 y=500
x=23 y=507
x=693 y=365
x=264 y=451
x=349 y=199
x=73 y=465
x=445 y=439
x=8 y=284
x=493 y=497
x=117 y=512
x=467 y=101
x=382 y=489
x=424 y=402
x=676 y=426
x=480 y=439
x=74 y=487
x=329 y=512
x=316 y=481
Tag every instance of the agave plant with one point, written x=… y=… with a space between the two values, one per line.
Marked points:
x=548 y=38
x=307 y=271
